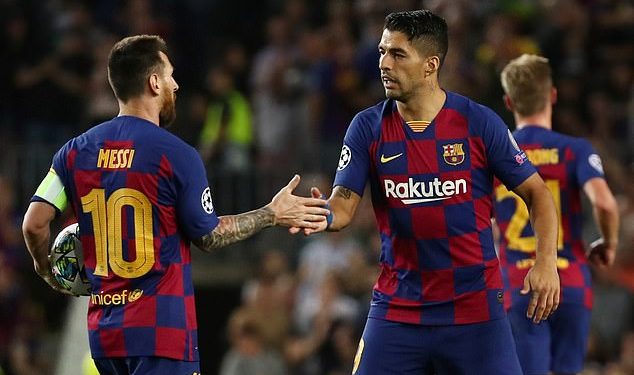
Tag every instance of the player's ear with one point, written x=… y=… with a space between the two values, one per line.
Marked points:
x=508 y=103
x=154 y=83
x=432 y=64
x=553 y=95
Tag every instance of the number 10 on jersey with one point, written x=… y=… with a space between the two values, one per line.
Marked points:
x=107 y=229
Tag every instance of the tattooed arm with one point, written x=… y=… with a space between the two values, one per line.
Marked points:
x=343 y=204
x=234 y=228
x=285 y=209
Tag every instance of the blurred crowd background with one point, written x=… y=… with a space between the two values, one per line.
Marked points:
x=267 y=89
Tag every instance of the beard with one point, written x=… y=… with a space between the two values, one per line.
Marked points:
x=395 y=95
x=168 y=109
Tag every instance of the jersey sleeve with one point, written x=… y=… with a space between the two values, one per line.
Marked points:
x=354 y=161
x=52 y=189
x=588 y=162
x=507 y=161
x=194 y=206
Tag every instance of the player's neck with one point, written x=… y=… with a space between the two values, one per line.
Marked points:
x=541 y=119
x=139 y=108
x=424 y=106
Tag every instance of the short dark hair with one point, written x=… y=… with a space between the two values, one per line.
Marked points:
x=423 y=28
x=130 y=63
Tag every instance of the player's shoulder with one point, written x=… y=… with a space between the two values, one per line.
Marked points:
x=143 y=134
x=368 y=120
x=577 y=142
x=578 y=145
x=79 y=142
x=372 y=114
x=173 y=147
x=172 y=141
x=148 y=133
x=479 y=117
x=564 y=140
x=471 y=110
x=459 y=102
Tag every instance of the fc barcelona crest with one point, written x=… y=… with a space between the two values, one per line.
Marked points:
x=453 y=153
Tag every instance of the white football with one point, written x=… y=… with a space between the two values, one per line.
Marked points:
x=67 y=260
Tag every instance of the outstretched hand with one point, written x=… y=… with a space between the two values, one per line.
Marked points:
x=321 y=226
x=297 y=212
x=543 y=281
x=601 y=254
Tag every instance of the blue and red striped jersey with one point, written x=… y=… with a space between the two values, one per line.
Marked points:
x=432 y=197
x=140 y=195
x=566 y=164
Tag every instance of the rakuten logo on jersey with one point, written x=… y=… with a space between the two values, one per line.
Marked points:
x=412 y=192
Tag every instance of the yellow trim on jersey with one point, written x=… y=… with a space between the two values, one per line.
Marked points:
x=51 y=189
x=418 y=125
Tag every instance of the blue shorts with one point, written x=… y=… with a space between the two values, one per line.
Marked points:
x=146 y=365
x=558 y=344
x=407 y=349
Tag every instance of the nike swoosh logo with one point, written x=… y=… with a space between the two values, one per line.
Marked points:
x=389 y=158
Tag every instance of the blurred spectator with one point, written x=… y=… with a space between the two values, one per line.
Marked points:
x=278 y=101
x=52 y=92
x=226 y=140
x=625 y=365
x=320 y=261
x=367 y=54
x=248 y=354
x=502 y=41
x=300 y=350
x=236 y=60
x=14 y=50
x=624 y=271
x=459 y=72
x=337 y=353
x=139 y=17
x=612 y=315
x=10 y=296
x=227 y=134
x=328 y=337
x=11 y=244
x=337 y=92
x=28 y=353
x=58 y=83
x=102 y=104
x=269 y=297
x=563 y=38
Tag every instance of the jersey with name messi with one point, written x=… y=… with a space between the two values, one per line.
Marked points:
x=140 y=195
x=566 y=164
x=432 y=198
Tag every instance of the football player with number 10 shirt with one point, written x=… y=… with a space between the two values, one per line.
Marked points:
x=141 y=195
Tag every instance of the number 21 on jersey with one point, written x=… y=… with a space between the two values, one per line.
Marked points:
x=520 y=219
x=107 y=228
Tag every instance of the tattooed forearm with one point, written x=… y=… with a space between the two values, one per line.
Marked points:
x=234 y=228
x=343 y=205
x=343 y=192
